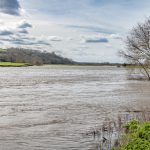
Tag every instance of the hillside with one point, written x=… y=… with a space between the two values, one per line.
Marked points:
x=33 y=57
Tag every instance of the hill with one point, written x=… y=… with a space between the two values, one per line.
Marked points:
x=33 y=57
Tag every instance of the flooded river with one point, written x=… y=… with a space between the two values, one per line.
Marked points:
x=53 y=107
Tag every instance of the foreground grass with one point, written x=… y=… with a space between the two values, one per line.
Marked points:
x=11 y=64
x=136 y=137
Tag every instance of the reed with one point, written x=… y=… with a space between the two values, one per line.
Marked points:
x=110 y=135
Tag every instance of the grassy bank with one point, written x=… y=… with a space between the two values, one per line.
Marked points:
x=11 y=64
x=136 y=137
x=130 y=131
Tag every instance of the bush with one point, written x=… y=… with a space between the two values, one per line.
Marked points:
x=137 y=136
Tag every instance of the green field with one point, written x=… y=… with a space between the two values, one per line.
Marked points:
x=2 y=50
x=11 y=64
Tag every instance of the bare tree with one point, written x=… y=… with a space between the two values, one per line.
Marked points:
x=138 y=47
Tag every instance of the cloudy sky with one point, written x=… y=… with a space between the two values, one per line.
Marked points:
x=84 y=30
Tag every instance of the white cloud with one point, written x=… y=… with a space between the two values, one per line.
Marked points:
x=55 y=38
x=116 y=36
x=23 y=24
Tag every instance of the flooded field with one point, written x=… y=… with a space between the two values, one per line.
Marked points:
x=53 y=107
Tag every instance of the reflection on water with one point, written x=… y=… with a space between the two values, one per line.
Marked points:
x=52 y=107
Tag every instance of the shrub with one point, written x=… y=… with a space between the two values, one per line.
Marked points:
x=137 y=136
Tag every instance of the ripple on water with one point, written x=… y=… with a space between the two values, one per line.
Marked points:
x=54 y=107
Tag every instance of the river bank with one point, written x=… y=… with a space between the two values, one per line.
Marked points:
x=130 y=131
x=12 y=64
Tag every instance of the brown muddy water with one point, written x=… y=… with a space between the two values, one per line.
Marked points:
x=53 y=107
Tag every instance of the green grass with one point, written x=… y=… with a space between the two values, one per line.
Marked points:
x=2 y=50
x=137 y=136
x=11 y=64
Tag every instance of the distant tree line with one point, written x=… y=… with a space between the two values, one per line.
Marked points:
x=100 y=64
x=33 y=57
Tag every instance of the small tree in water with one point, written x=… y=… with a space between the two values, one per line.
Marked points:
x=138 y=47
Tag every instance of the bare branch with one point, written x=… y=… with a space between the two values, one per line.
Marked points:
x=138 y=46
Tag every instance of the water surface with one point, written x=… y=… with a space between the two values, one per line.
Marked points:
x=53 y=107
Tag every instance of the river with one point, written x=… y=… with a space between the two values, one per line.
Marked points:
x=53 y=107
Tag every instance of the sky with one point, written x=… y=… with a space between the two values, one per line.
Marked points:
x=83 y=30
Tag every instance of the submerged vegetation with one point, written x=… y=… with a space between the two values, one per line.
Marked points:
x=130 y=131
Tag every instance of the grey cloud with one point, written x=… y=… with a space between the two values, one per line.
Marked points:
x=24 y=40
x=5 y=32
x=24 y=24
x=24 y=31
x=17 y=33
x=10 y=38
x=97 y=40
x=30 y=42
x=27 y=38
x=11 y=7
x=14 y=29
x=42 y=42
